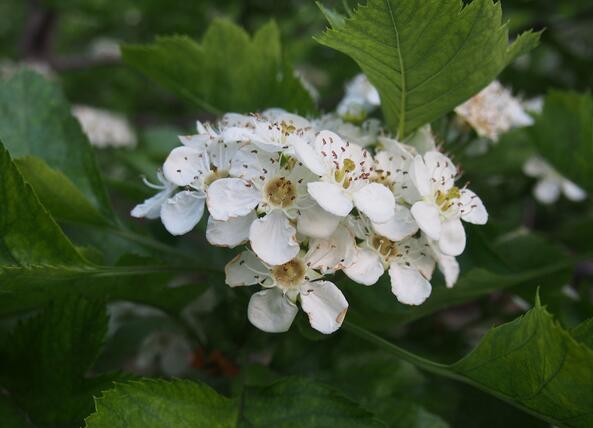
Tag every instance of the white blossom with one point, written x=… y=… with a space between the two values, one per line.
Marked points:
x=105 y=128
x=550 y=183
x=361 y=97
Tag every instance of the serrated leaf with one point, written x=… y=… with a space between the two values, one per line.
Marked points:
x=563 y=134
x=584 y=333
x=287 y=403
x=35 y=120
x=43 y=363
x=427 y=57
x=227 y=71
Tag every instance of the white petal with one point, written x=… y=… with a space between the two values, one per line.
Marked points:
x=309 y=157
x=229 y=233
x=185 y=165
x=325 y=305
x=452 y=240
x=572 y=191
x=473 y=208
x=151 y=207
x=232 y=197
x=245 y=269
x=408 y=285
x=273 y=238
x=428 y=218
x=367 y=267
x=420 y=176
x=271 y=311
x=535 y=166
x=547 y=191
x=330 y=197
x=182 y=212
x=400 y=226
x=315 y=222
x=449 y=268
x=375 y=201
x=333 y=253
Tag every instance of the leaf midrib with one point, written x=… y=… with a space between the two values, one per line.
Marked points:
x=400 y=59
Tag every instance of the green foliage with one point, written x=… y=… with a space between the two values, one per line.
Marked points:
x=43 y=363
x=564 y=135
x=228 y=71
x=35 y=120
x=290 y=402
x=425 y=58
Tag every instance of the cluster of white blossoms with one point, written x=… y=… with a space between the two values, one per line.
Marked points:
x=308 y=198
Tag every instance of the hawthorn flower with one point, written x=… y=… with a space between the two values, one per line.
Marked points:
x=443 y=205
x=345 y=170
x=494 y=111
x=409 y=261
x=274 y=308
x=274 y=185
x=364 y=135
x=104 y=128
x=550 y=183
x=361 y=98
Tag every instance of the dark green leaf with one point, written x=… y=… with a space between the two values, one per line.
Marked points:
x=228 y=71
x=286 y=403
x=35 y=120
x=427 y=57
x=584 y=333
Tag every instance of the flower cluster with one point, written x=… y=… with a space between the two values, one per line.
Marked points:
x=309 y=198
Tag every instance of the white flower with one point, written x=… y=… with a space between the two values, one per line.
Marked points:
x=274 y=185
x=494 y=111
x=363 y=135
x=550 y=182
x=345 y=170
x=361 y=97
x=104 y=128
x=274 y=308
x=443 y=205
x=410 y=263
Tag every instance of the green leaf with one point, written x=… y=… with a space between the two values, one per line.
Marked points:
x=287 y=403
x=43 y=363
x=228 y=71
x=531 y=362
x=584 y=333
x=35 y=120
x=564 y=135
x=427 y=57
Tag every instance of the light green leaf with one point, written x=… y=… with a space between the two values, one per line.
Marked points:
x=35 y=120
x=43 y=363
x=228 y=71
x=564 y=135
x=426 y=57
x=287 y=403
x=531 y=362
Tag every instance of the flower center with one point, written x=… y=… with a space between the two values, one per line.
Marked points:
x=384 y=246
x=290 y=274
x=447 y=200
x=341 y=175
x=215 y=175
x=281 y=192
x=287 y=128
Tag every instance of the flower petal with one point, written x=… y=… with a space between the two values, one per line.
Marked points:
x=271 y=311
x=333 y=253
x=449 y=268
x=232 y=197
x=473 y=210
x=399 y=226
x=547 y=191
x=408 y=285
x=420 y=176
x=182 y=212
x=366 y=268
x=151 y=207
x=229 y=233
x=572 y=191
x=315 y=222
x=273 y=238
x=325 y=305
x=452 y=240
x=245 y=269
x=186 y=164
x=309 y=157
x=330 y=197
x=428 y=218
x=376 y=201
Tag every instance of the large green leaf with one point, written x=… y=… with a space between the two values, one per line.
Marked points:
x=287 y=403
x=228 y=71
x=35 y=120
x=43 y=363
x=426 y=57
x=564 y=135
x=531 y=362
